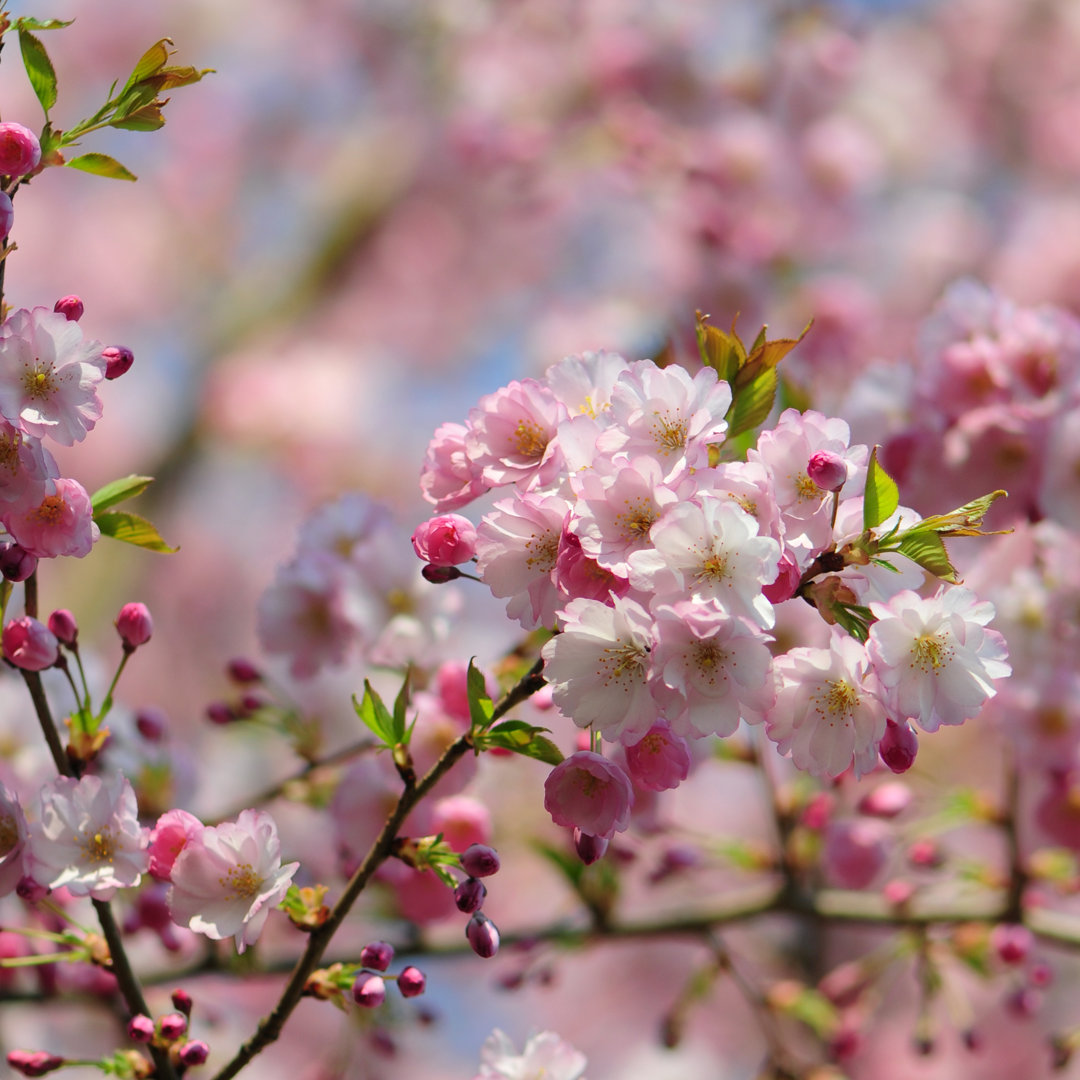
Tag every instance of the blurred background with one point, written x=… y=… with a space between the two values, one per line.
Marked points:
x=376 y=211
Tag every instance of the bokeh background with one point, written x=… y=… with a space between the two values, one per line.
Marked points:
x=376 y=211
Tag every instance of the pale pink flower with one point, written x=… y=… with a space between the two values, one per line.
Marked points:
x=13 y=837
x=660 y=761
x=590 y=792
x=934 y=657
x=709 y=552
x=517 y=544
x=583 y=383
x=462 y=820
x=49 y=375
x=598 y=667
x=827 y=714
x=87 y=837
x=448 y=478
x=27 y=469
x=545 y=1057
x=578 y=575
x=711 y=670
x=61 y=524
x=29 y=644
x=445 y=540
x=228 y=877
x=345 y=527
x=855 y=851
x=511 y=434
x=171 y=834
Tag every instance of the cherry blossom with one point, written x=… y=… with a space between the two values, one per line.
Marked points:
x=61 y=524
x=545 y=1057
x=590 y=792
x=13 y=836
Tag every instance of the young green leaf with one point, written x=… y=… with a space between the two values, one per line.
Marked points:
x=375 y=716
x=966 y=520
x=401 y=703
x=132 y=529
x=481 y=708
x=721 y=351
x=752 y=404
x=26 y=22
x=118 y=491
x=882 y=496
x=925 y=547
x=101 y=165
x=521 y=738
x=39 y=69
x=151 y=61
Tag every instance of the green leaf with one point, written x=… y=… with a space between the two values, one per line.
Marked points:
x=721 y=351
x=39 y=69
x=767 y=354
x=965 y=520
x=401 y=703
x=925 y=547
x=151 y=62
x=27 y=22
x=481 y=708
x=132 y=529
x=148 y=118
x=101 y=165
x=521 y=738
x=882 y=496
x=118 y=491
x=375 y=716
x=752 y=404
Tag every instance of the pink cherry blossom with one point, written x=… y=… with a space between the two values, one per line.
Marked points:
x=49 y=375
x=171 y=834
x=462 y=820
x=545 y=1055
x=584 y=383
x=661 y=760
x=934 y=657
x=27 y=469
x=589 y=792
x=448 y=478
x=13 y=837
x=29 y=644
x=445 y=540
x=87 y=837
x=228 y=877
x=61 y=524
x=578 y=575
x=855 y=852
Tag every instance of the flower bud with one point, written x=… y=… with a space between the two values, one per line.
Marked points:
x=172 y=1025
x=243 y=671
x=140 y=1028
x=62 y=623
x=16 y=563
x=898 y=746
x=118 y=361
x=589 y=848
x=377 y=956
x=71 y=307
x=193 y=1053
x=20 y=151
x=151 y=723
x=445 y=540
x=7 y=215
x=855 y=851
x=1011 y=942
x=182 y=1002
x=411 y=982
x=134 y=626
x=218 y=712
x=30 y=645
x=439 y=575
x=30 y=891
x=34 y=1062
x=479 y=860
x=886 y=800
x=470 y=895
x=483 y=935
x=827 y=470
x=369 y=991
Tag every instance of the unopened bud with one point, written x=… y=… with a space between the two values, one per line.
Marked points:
x=589 y=848
x=439 y=575
x=16 y=563
x=134 y=625
x=411 y=982
x=193 y=1053
x=151 y=723
x=243 y=671
x=483 y=935
x=7 y=215
x=827 y=470
x=886 y=800
x=118 y=361
x=1011 y=942
x=182 y=1002
x=20 y=150
x=479 y=860
x=63 y=625
x=218 y=712
x=377 y=956
x=470 y=895
x=369 y=991
x=172 y=1025
x=71 y=307
x=140 y=1029
x=29 y=644
x=34 y=1062
x=898 y=746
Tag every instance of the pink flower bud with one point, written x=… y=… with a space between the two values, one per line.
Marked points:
x=151 y=723
x=470 y=895
x=787 y=581
x=62 y=623
x=439 y=575
x=220 y=713
x=445 y=540
x=369 y=991
x=243 y=671
x=172 y=1025
x=898 y=746
x=34 y=1062
x=1011 y=942
x=193 y=1053
x=30 y=891
x=886 y=800
x=16 y=563
x=827 y=470
x=71 y=307
x=134 y=625
x=378 y=956
x=411 y=982
x=30 y=645
x=925 y=854
x=20 y=151
x=589 y=848
x=7 y=215
x=854 y=852
x=661 y=760
x=140 y=1028
x=182 y=1002
x=118 y=361
x=817 y=813
x=483 y=935
x=479 y=860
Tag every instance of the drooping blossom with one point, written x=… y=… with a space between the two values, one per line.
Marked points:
x=13 y=835
x=661 y=760
x=87 y=837
x=590 y=792
x=228 y=877
x=545 y=1057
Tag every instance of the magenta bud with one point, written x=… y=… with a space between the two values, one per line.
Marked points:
x=1011 y=942
x=369 y=991
x=134 y=625
x=30 y=891
x=886 y=800
x=470 y=895
x=151 y=723
x=827 y=470
x=20 y=150
x=182 y=1002
x=71 y=307
x=16 y=563
x=925 y=854
x=172 y=1025
x=34 y=1062
x=140 y=1028
x=217 y=712
x=483 y=935
x=411 y=982
x=63 y=625
x=118 y=361
x=7 y=215
x=193 y=1053
x=378 y=955
x=439 y=575
x=445 y=540
x=589 y=848
x=29 y=644
x=898 y=746
x=243 y=671
x=479 y=860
